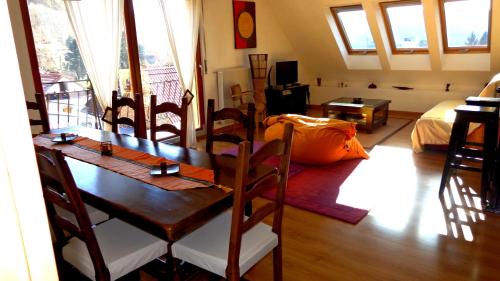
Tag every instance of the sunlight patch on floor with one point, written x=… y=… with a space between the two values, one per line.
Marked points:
x=461 y=207
x=389 y=179
x=454 y=214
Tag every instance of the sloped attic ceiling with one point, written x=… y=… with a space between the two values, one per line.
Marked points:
x=307 y=25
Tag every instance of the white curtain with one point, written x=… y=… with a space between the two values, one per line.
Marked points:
x=97 y=28
x=182 y=19
x=26 y=249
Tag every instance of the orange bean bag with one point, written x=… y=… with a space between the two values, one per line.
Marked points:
x=317 y=140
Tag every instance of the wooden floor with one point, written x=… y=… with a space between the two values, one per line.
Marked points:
x=410 y=234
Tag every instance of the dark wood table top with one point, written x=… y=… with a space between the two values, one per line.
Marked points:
x=166 y=214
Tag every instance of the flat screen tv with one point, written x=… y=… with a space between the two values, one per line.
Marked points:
x=286 y=72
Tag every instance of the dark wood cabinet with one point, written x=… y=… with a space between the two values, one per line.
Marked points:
x=289 y=100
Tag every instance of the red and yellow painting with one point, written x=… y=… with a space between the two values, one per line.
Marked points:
x=244 y=25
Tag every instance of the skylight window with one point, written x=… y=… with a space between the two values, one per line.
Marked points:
x=405 y=26
x=354 y=30
x=466 y=25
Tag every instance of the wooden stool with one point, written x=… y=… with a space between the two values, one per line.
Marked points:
x=494 y=202
x=459 y=151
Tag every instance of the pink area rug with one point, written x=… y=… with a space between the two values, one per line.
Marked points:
x=316 y=188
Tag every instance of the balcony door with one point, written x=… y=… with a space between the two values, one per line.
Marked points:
x=146 y=66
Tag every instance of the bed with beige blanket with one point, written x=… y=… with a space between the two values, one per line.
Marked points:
x=434 y=126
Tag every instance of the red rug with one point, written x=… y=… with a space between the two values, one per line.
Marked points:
x=316 y=188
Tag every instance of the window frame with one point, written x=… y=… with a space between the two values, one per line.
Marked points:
x=388 y=27
x=343 y=33
x=463 y=49
x=133 y=56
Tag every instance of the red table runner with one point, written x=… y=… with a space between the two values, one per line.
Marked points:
x=129 y=162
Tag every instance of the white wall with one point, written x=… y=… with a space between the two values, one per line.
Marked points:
x=298 y=29
x=306 y=24
x=219 y=38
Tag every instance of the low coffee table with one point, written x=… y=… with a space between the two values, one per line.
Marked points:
x=368 y=114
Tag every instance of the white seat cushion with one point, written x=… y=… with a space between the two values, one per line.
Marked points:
x=96 y=216
x=208 y=246
x=124 y=249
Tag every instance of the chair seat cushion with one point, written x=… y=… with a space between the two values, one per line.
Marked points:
x=208 y=246
x=123 y=247
x=317 y=140
x=95 y=215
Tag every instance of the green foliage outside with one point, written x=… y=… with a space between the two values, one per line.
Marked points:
x=472 y=40
x=74 y=62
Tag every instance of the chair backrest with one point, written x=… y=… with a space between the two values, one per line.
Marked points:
x=237 y=95
x=41 y=107
x=136 y=104
x=59 y=188
x=248 y=120
x=245 y=193
x=169 y=108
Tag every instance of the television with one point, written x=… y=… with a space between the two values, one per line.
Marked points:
x=286 y=72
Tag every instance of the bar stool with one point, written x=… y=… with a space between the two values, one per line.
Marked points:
x=458 y=149
x=493 y=102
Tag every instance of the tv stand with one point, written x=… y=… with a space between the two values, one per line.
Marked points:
x=291 y=99
x=286 y=86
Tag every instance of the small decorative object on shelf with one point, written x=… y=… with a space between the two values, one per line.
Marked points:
x=372 y=86
x=106 y=148
x=402 y=88
x=357 y=100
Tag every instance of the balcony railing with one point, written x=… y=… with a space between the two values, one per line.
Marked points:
x=72 y=103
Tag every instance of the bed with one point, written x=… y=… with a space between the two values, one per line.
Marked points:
x=434 y=126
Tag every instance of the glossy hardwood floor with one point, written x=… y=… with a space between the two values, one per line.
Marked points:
x=409 y=234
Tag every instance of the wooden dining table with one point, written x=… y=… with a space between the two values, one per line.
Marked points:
x=166 y=214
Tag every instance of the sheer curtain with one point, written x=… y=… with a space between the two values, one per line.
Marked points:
x=97 y=28
x=182 y=19
x=26 y=249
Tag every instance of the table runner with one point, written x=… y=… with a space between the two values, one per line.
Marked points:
x=131 y=163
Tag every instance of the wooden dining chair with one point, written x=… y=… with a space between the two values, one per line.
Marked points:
x=229 y=114
x=169 y=108
x=40 y=106
x=232 y=243
x=104 y=252
x=241 y=99
x=135 y=104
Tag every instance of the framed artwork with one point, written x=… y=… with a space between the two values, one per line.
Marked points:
x=244 y=25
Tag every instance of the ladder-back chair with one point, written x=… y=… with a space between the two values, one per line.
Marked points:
x=105 y=252
x=232 y=243
x=135 y=104
x=229 y=114
x=169 y=108
x=40 y=106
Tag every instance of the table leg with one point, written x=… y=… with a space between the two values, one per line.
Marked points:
x=325 y=111
x=369 y=121
x=386 y=114
x=172 y=264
